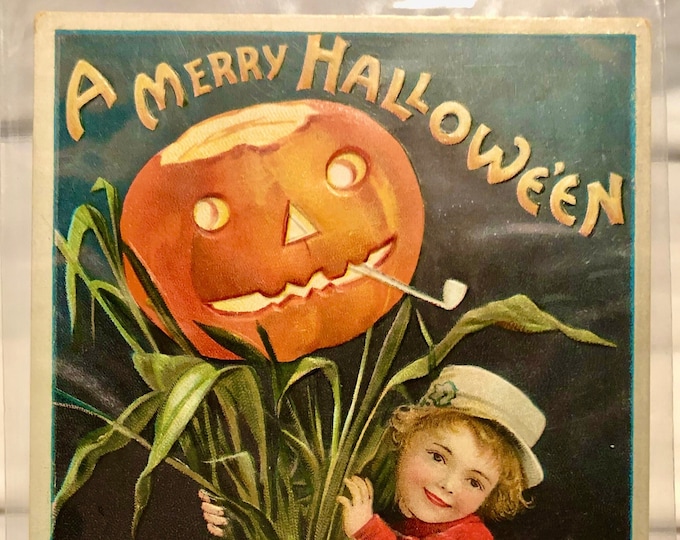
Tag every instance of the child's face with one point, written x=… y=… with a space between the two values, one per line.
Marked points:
x=444 y=474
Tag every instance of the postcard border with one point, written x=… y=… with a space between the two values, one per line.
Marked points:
x=48 y=23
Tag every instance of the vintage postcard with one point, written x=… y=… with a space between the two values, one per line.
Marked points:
x=340 y=277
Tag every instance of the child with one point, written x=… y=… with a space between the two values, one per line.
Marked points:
x=464 y=452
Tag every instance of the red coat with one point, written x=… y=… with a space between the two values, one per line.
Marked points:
x=467 y=528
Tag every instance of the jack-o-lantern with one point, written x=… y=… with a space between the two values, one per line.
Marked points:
x=254 y=216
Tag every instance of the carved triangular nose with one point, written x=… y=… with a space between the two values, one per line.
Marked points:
x=298 y=226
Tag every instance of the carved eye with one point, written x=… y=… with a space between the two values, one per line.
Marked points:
x=345 y=170
x=211 y=213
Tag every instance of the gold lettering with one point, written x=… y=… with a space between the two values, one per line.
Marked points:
x=370 y=81
x=610 y=202
x=449 y=108
x=390 y=102
x=75 y=101
x=144 y=83
x=275 y=62
x=220 y=62
x=493 y=157
x=316 y=54
x=527 y=182
x=415 y=98
x=196 y=75
x=559 y=195
x=248 y=63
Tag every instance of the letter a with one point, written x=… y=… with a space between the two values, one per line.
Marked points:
x=76 y=101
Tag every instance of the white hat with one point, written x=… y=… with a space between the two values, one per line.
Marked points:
x=477 y=392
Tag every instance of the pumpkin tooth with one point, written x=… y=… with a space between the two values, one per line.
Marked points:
x=376 y=257
x=250 y=303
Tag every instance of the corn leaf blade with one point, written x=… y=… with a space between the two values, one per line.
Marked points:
x=114 y=213
x=517 y=313
x=161 y=371
x=241 y=468
x=103 y=441
x=179 y=408
x=159 y=305
x=239 y=346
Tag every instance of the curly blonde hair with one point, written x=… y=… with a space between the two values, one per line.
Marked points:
x=507 y=498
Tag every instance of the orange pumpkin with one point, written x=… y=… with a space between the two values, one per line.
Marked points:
x=254 y=215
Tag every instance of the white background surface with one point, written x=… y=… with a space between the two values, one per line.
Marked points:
x=15 y=156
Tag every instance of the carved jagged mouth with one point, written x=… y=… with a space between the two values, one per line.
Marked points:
x=250 y=303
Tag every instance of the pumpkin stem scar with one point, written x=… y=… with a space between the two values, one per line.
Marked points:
x=258 y=126
x=453 y=294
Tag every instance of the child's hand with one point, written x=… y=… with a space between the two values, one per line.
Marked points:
x=357 y=512
x=212 y=514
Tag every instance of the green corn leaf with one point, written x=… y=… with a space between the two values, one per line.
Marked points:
x=347 y=454
x=349 y=426
x=244 y=387
x=116 y=306
x=423 y=330
x=306 y=367
x=380 y=467
x=516 y=313
x=73 y=269
x=230 y=413
x=159 y=305
x=232 y=416
x=108 y=288
x=371 y=445
x=305 y=453
x=66 y=400
x=273 y=365
x=95 y=288
x=357 y=387
x=267 y=343
x=241 y=469
x=314 y=417
x=220 y=433
x=206 y=430
x=102 y=441
x=194 y=427
x=428 y=339
x=266 y=377
x=161 y=371
x=179 y=408
x=88 y=218
x=389 y=350
x=189 y=446
x=296 y=421
x=253 y=520
x=114 y=213
x=236 y=344
x=266 y=371
x=241 y=387
x=288 y=522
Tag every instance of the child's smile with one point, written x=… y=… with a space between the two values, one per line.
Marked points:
x=445 y=475
x=436 y=500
